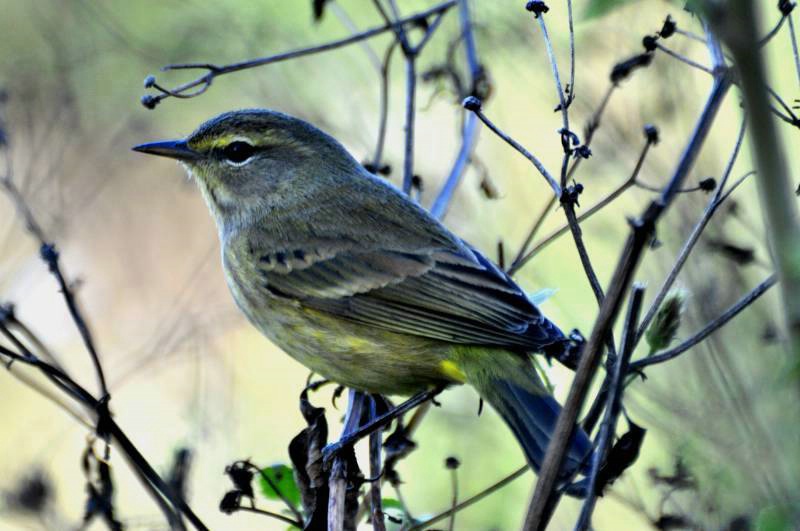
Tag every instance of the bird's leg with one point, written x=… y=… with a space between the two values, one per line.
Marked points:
x=349 y=438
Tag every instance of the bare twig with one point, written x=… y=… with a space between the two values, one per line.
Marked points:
x=614 y=403
x=340 y=473
x=473 y=104
x=589 y=212
x=472 y=499
x=541 y=506
x=375 y=471
x=278 y=516
x=411 y=91
x=568 y=204
x=471 y=126
x=411 y=53
x=795 y=52
x=468 y=141
x=775 y=188
x=710 y=328
x=774 y=31
x=384 y=107
x=453 y=466
x=571 y=85
x=563 y=106
x=716 y=200
x=214 y=71
x=591 y=127
x=683 y=58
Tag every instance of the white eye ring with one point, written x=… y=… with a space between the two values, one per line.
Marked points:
x=237 y=164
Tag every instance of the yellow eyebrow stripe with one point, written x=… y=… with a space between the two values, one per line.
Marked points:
x=217 y=142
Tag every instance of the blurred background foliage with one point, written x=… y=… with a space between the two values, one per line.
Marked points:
x=186 y=370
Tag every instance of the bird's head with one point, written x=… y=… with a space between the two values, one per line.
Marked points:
x=250 y=162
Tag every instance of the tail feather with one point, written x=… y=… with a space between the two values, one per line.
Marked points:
x=532 y=418
x=509 y=382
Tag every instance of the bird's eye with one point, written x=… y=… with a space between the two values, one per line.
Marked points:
x=238 y=152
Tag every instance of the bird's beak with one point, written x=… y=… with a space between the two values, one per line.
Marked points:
x=175 y=149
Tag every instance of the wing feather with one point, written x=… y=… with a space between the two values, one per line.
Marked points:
x=454 y=295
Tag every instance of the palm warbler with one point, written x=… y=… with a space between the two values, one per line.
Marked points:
x=357 y=282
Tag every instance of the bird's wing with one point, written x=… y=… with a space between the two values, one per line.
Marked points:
x=448 y=293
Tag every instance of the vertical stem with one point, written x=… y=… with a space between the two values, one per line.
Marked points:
x=375 y=443
x=543 y=502
x=795 y=53
x=337 y=483
x=778 y=203
x=411 y=89
x=614 y=403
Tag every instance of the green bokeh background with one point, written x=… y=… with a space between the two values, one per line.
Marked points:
x=185 y=369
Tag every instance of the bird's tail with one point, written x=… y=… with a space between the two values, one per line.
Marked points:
x=509 y=382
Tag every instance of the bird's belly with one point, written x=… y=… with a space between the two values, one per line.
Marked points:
x=355 y=355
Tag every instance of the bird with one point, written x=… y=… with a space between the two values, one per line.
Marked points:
x=359 y=283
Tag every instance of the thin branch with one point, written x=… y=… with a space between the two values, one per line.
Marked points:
x=571 y=85
x=691 y=35
x=51 y=257
x=214 y=71
x=410 y=427
x=471 y=125
x=795 y=52
x=473 y=105
x=384 y=106
x=713 y=204
x=471 y=500
x=454 y=500
x=568 y=204
x=411 y=53
x=375 y=472
x=339 y=475
x=551 y=56
x=683 y=58
x=774 y=31
x=541 y=506
x=592 y=125
x=468 y=141
x=278 y=516
x=602 y=203
x=411 y=92
x=710 y=328
x=792 y=118
x=520 y=259
x=613 y=404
